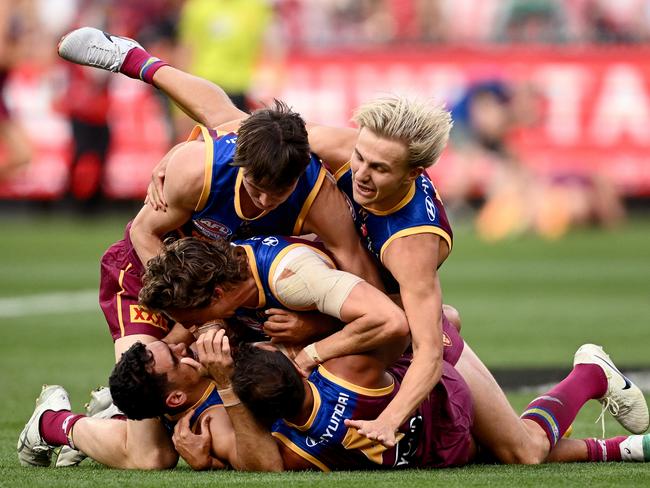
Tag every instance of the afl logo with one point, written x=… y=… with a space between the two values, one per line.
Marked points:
x=270 y=241
x=431 y=209
x=212 y=228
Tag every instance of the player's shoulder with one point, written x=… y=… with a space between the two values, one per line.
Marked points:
x=186 y=167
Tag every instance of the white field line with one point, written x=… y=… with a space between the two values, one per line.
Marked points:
x=49 y=303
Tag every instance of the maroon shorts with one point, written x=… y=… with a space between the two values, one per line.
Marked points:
x=452 y=343
x=120 y=283
x=447 y=417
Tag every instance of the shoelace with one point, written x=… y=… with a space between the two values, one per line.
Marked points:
x=100 y=56
x=609 y=405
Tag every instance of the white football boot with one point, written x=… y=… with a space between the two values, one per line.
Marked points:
x=32 y=449
x=623 y=399
x=92 y=47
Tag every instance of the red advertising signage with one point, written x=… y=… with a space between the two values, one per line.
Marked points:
x=595 y=117
x=596 y=101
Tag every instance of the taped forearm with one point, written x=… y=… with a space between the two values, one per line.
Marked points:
x=314 y=284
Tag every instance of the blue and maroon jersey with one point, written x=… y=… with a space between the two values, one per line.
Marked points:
x=420 y=212
x=264 y=255
x=218 y=213
x=438 y=434
x=324 y=440
x=210 y=398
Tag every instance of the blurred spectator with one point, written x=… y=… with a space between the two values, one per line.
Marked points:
x=85 y=102
x=623 y=21
x=487 y=120
x=16 y=23
x=532 y=21
x=222 y=40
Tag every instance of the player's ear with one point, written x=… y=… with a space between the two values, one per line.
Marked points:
x=217 y=293
x=414 y=173
x=175 y=399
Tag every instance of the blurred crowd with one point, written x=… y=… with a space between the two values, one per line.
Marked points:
x=322 y=23
x=203 y=36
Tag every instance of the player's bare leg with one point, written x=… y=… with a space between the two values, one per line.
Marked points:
x=496 y=425
x=142 y=444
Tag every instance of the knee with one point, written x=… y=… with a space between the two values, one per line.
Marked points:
x=523 y=456
x=534 y=451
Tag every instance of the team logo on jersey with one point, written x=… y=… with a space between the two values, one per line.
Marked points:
x=212 y=228
x=141 y=315
x=431 y=209
x=446 y=341
x=270 y=241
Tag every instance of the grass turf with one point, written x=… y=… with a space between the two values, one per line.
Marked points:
x=523 y=303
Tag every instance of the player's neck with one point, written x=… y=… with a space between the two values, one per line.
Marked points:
x=248 y=208
x=250 y=292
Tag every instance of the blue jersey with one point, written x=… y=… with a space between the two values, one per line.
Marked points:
x=420 y=212
x=218 y=213
x=437 y=435
x=324 y=440
x=210 y=398
x=264 y=255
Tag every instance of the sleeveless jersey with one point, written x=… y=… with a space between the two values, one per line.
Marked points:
x=420 y=212
x=218 y=213
x=210 y=398
x=264 y=255
x=438 y=435
x=324 y=440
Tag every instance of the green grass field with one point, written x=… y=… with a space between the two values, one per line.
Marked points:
x=523 y=303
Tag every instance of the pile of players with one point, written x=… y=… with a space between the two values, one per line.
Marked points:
x=239 y=347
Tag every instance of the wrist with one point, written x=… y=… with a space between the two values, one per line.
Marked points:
x=312 y=353
x=228 y=396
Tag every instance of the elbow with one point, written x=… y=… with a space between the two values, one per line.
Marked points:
x=396 y=326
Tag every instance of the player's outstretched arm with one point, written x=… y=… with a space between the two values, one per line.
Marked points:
x=374 y=324
x=421 y=295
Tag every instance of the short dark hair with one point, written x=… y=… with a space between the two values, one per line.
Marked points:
x=185 y=274
x=267 y=383
x=136 y=389
x=273 y=147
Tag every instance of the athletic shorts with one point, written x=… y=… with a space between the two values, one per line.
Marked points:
x=120 y=283
x=452 y=343
x=447 y=418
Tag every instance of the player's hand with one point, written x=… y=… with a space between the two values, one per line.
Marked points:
x=375 y=430
x=155 y=196
x=194 y=448
x=287 y=326
x=305 y=363
x=213 y=349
